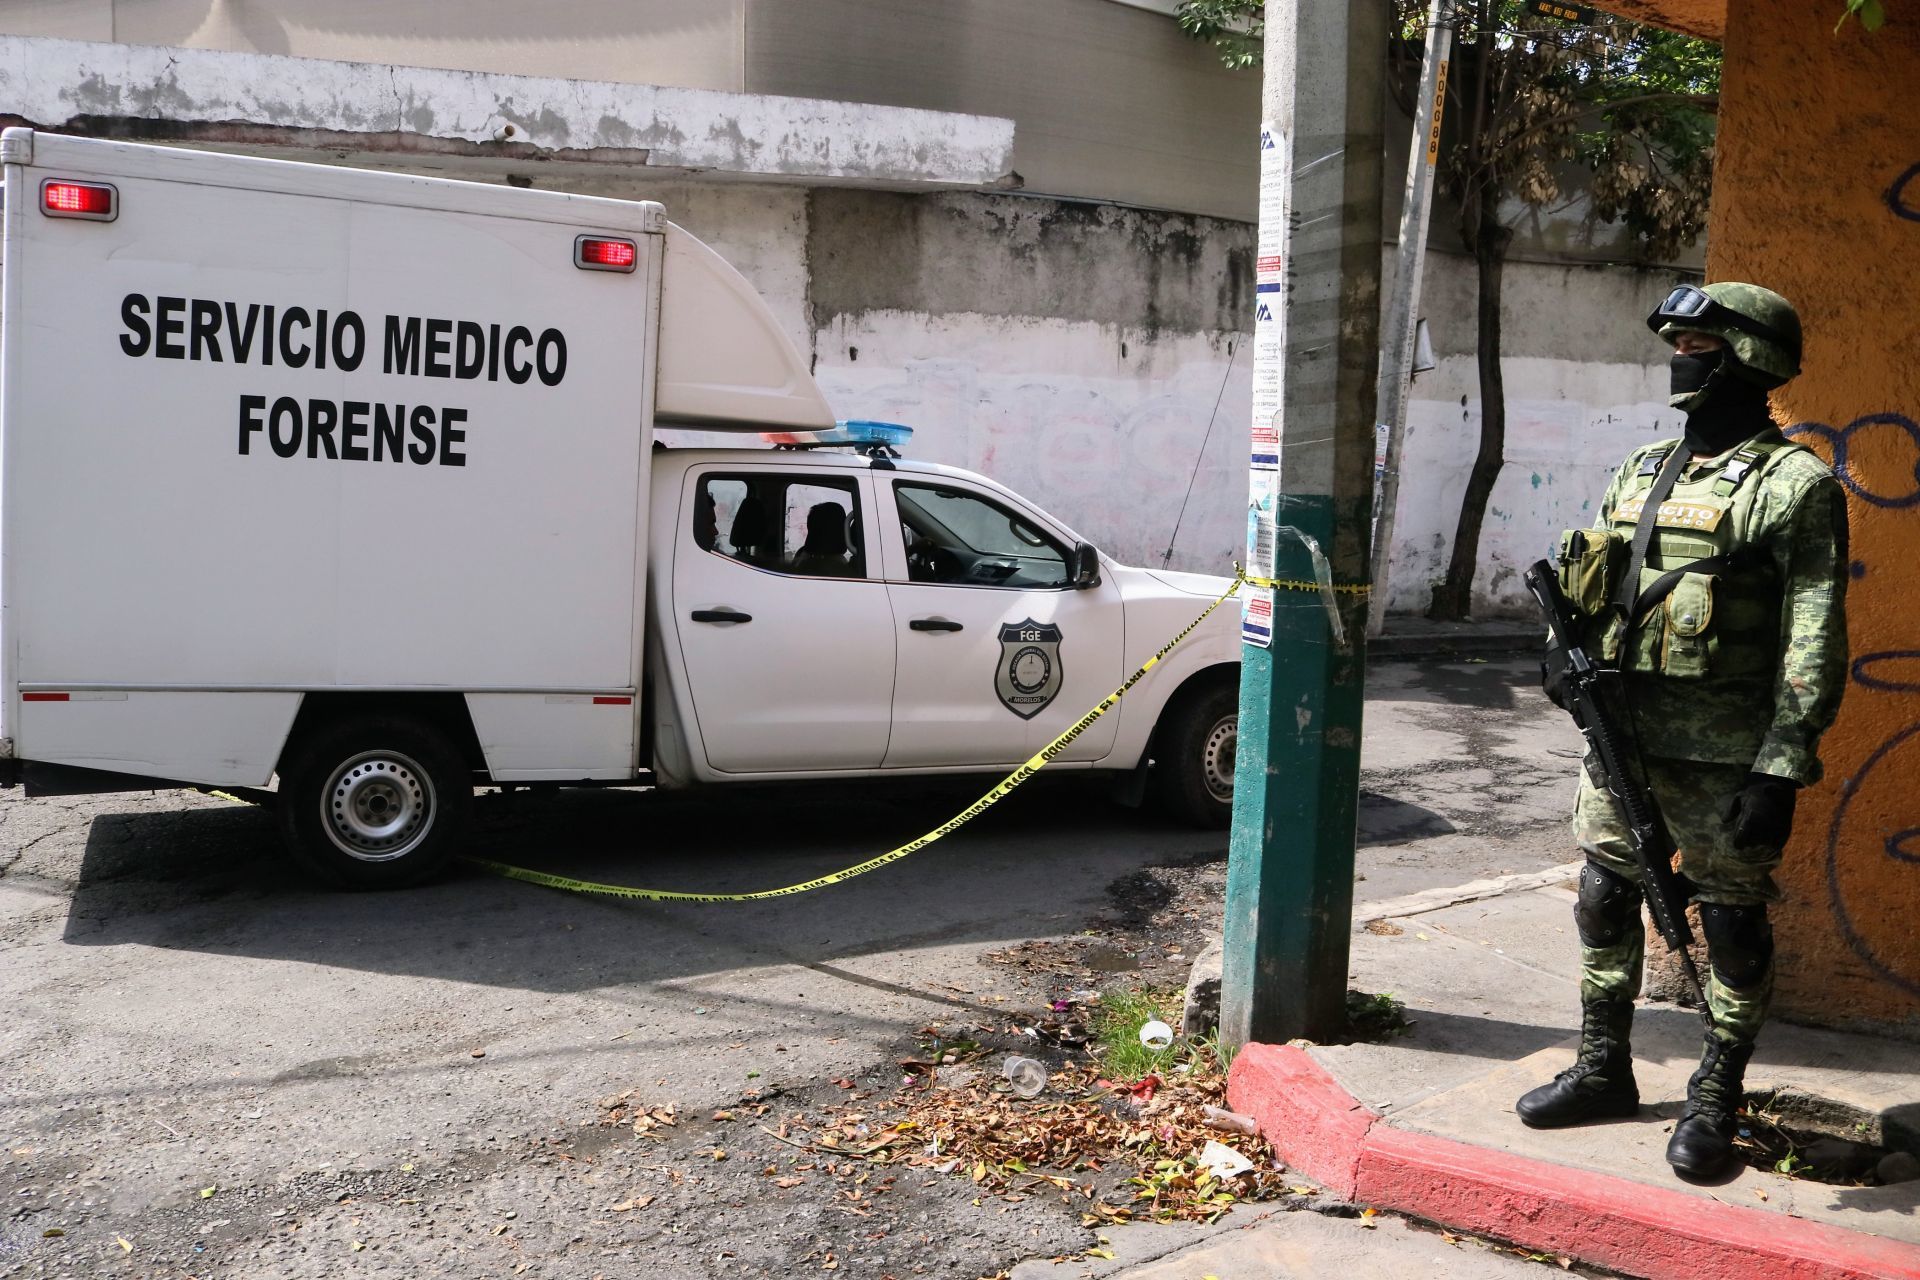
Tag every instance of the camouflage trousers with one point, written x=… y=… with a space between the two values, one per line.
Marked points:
x=1694 y=797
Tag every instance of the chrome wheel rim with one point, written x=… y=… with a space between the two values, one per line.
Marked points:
x=378 y=806
x=1217 y=757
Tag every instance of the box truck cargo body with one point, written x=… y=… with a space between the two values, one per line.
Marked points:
x=348 y=478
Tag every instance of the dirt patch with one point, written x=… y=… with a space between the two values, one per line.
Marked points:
x=1815 y=1139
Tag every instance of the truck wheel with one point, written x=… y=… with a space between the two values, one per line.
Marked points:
x=1193 y=756
x=375 y=803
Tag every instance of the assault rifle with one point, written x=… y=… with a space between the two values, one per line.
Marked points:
x=1592 y=693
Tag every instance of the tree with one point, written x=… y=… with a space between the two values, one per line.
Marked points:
x=1532 y=102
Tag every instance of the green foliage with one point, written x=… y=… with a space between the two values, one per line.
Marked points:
x=1530 y=98
x=1871 y=15
x=1376 y=1017
x=1116 y=1029
x=1235 y=28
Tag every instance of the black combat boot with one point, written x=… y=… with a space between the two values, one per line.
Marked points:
x=1703 y=1140
x=1599 y=1085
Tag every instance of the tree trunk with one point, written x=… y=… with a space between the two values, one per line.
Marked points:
x=1453 y=598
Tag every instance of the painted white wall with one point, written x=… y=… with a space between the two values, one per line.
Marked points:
x=50 y=82
x=1569 y=424
x=1050 y=408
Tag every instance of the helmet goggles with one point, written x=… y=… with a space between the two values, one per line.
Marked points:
x=1690 y=307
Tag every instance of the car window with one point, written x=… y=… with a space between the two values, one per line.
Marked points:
x=808 y=525
x=954 y=536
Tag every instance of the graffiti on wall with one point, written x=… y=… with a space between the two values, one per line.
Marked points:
x=1903 y=197
x=1877 y=458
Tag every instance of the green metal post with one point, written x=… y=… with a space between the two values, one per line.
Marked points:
x=1316 y=353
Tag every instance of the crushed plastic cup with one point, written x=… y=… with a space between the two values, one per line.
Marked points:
x=1026 y=1076
x=1156 y=1035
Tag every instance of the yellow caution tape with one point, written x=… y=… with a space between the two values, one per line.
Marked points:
x=1038 y=762
x=1296 y=584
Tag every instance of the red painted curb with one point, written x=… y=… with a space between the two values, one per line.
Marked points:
x=1663 y=1234
x=1315 y=1124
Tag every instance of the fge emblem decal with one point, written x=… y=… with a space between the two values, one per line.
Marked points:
x=1029 y=675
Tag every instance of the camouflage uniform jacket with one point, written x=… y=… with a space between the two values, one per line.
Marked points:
x=1770 y=720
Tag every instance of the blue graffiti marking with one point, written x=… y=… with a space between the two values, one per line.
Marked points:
x=1905 y=845
x=1897 y=196
x=1897 y=846
x=1901 y=681
x=1842 y=442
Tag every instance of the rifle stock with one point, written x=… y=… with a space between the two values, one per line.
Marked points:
x=1593 y=693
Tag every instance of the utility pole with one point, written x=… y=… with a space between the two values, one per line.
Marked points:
x=1402 y=317
x=1316 y=357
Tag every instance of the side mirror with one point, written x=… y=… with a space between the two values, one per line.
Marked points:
x=1083 y=567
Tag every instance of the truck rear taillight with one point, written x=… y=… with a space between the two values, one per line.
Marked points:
x=60 y=198
x=601 y=253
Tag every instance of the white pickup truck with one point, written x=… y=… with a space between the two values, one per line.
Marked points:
x=350 y=479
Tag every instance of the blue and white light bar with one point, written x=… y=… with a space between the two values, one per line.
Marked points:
x=857 y=433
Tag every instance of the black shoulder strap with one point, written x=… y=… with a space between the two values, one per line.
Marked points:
x=1644 y=525
x=1662 y=587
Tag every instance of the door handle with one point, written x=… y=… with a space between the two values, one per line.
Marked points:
x=935 y=624
x=720 y=615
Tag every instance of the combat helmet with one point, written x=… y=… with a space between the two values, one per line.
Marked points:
x=1761 y=328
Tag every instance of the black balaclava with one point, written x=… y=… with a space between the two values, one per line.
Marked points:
x=1733 y=410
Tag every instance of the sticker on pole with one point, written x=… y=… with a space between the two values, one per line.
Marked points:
x=1256 y=616
x=1256 y=604
x=1269 y=305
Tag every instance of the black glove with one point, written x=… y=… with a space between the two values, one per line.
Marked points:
x=1553 y=677
x=1762 y=811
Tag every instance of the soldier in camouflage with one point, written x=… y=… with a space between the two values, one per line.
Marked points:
x=1733 y=641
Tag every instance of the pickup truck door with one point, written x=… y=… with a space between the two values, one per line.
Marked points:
x=997 y=655
x=785 y=631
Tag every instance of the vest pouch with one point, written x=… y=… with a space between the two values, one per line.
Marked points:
x=1687 y=641
x=1590 y=562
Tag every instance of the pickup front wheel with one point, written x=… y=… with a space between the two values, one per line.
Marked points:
x=1193 y=758
x=377 y=802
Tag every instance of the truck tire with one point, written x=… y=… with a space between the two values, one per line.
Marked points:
x=375 y=802
x=1193 y=755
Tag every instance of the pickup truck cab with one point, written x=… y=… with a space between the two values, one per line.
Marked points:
x=949 y=624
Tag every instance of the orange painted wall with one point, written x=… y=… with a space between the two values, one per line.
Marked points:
x=1694 y=17
x=1817 y=195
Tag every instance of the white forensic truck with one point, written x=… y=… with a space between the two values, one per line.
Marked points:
x=348 y=479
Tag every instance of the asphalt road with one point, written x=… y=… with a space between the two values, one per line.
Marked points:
x=407 y=1072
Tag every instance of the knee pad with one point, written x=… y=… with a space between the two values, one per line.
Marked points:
x=1739 y=942
x=1608 y=901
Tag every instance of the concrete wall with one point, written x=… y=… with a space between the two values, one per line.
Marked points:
x=1585 y=384
x=1111 y=102
x=1819 y=197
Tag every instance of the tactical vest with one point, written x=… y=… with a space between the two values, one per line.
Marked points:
x=1708 y=601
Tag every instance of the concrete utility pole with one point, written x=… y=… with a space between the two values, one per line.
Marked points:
x=1398 y=326
x=1316 y=357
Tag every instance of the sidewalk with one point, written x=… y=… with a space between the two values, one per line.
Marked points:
x=1409 y=636
x=1424 y=1124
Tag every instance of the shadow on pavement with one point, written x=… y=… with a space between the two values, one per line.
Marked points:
x=1493 y=1038
x=1037 y=864
x=1384 y=820
x=1493 y=684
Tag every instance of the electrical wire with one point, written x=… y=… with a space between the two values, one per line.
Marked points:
x=1232 y=352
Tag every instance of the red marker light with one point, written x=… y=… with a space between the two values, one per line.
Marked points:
x=598 y=253
x=63 y=199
